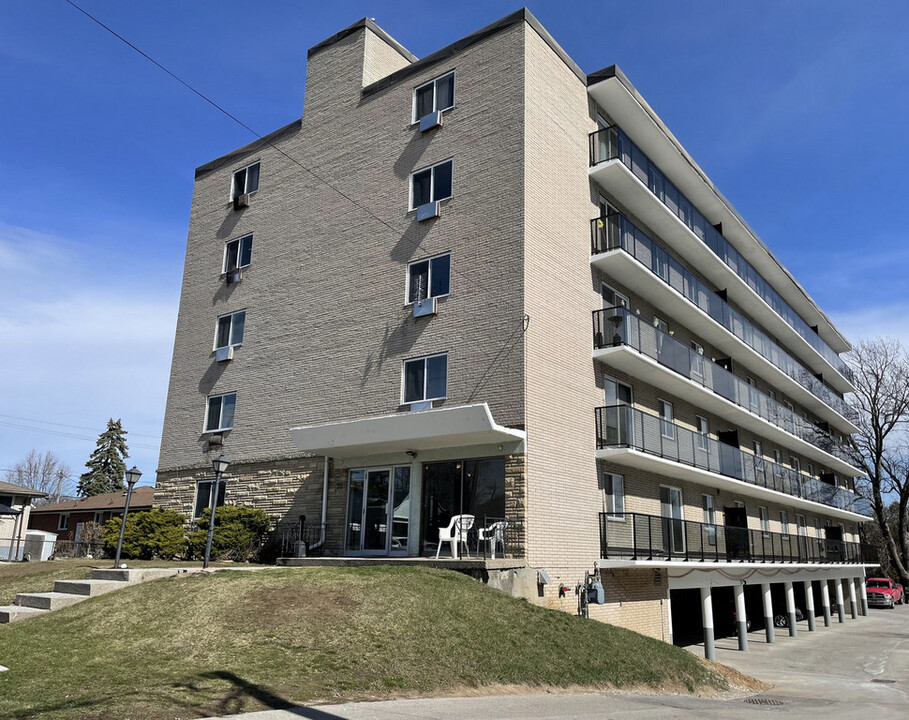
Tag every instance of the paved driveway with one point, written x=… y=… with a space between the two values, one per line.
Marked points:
x=825 y=675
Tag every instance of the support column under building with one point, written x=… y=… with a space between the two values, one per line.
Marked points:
x=707 y=619
x=825 y=601
x=790 y=608
x=740 y=616
x=863 y=592
x=853 y=608
x=809 y=605
x=840 y=604
x=768 y=612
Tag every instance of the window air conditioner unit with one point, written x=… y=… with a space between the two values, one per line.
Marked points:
x=233 y=276
x=241 y=201
x=224 y=354
x=215 y=440
x=433 y=120
x=417 y=406
x=428 y=211
x=425 y=307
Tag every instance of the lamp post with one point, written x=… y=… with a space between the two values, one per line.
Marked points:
x=219 y=464
x=132 y=477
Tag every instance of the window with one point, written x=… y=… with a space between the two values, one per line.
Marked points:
x=229 y=332
x=220 y=414
x=63 y=521
x=795 y=465
x=758 y=456
x=435 y=95
x=617 y=393
x=811 y=469
x=612 y=298
x=431 y=184
x=614 y=485
x=765 y=520
x=784 y=522
x=702 y=432
x=245 y=181
x=203 y=496
x=660 y=324
x=6 y=500
x=709 y=518
x=697 y=359
x=426 y=378
x=429 y=278
x=817 y=528
x=667 y=429
x=237 y=253
x=753 y=402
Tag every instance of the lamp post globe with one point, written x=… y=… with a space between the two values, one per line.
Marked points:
x=132 y=477
x=219 y=465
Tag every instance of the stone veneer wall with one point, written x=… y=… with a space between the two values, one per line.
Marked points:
x=516 y=504
x=284 y=488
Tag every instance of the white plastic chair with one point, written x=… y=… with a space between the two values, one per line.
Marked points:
x=455 y=534
x=494 y=536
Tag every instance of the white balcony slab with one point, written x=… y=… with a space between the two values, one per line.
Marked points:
x=446 y=427
x=629 y=457
x=637 y=277
x=632 y=113
x=641 y=366
x=636 y=197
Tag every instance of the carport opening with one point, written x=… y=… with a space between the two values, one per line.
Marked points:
x=687 y=625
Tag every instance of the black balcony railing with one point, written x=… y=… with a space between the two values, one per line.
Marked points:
x=617 y=326
x=616 y=232
x=612 y=143
x=627 y=427
x=652 y=537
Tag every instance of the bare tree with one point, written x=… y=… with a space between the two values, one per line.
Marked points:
x=44 y=472
x=881 y=369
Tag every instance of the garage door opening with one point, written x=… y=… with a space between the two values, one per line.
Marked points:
x=687 y=625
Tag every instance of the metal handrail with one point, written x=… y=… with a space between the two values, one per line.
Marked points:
x=617 y=326
x=628 y=427
x=612 y=143
x=614 y=231
x=637 y=536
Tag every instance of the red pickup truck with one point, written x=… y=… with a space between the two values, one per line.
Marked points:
x=883 y=592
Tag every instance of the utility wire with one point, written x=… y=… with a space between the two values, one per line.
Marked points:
x=75 y=427
x=524 y=320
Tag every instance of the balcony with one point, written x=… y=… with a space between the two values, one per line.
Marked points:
x=614 y=234
x=620 y=427
x=652 y=537
x=664 y=362
x=610 y=149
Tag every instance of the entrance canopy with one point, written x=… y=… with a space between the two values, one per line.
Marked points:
x=442 y=428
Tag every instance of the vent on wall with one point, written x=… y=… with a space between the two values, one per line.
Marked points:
x=433 y=120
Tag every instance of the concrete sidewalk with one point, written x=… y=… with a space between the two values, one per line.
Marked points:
x=816 y=676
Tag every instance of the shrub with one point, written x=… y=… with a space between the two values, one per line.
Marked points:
x=239 y=533
x=148 y=534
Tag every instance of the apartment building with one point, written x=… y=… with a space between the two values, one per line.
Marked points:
x=485 y=291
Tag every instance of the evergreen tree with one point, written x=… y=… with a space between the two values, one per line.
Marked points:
x=106 y=466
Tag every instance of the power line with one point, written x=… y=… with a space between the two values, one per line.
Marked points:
x=75 y=427
x=60 y=433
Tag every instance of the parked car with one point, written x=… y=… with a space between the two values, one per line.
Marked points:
x=883 y=592
x=781 y=620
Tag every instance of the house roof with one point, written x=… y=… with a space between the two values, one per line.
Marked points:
x=10 y=489
x=143 y=497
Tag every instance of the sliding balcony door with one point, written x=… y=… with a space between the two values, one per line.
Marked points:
x=673 y=525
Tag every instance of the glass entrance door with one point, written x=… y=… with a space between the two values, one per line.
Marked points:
x=378 y=511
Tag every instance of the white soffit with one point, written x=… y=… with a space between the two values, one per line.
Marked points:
x=446 y=427
x=637 y=119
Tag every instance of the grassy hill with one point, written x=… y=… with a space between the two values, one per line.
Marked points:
x=202 y=645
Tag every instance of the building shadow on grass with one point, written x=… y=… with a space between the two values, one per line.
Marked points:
x=243 y=690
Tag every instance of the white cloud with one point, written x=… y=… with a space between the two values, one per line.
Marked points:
x=80 y=344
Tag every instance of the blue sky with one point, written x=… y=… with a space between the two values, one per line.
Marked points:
x=797 y=111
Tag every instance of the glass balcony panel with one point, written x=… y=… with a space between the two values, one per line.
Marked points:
x=649 y=253
x=612 y=143
x=619 y=326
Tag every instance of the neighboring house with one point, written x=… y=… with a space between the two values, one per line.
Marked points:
x=15 y=507
x=64 y=518
x=488 y=283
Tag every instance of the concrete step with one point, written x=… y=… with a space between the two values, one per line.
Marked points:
x=137 y=575
x=12 y=613
x=89 y=588
x=48 y=601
